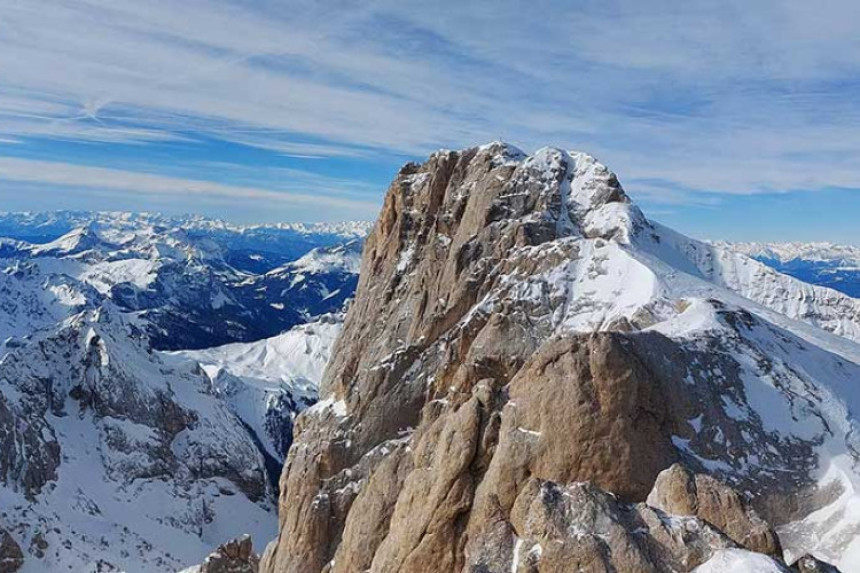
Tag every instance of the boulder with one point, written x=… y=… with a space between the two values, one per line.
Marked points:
x=235 y=556
x=679 y=491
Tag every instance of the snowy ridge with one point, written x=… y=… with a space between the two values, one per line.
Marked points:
x=823 y=307
x=739 y=561
x=344 y=258
x=196 y=283
x=786 y=252
x=61 y=222
x=771 y=363
x=144 y=460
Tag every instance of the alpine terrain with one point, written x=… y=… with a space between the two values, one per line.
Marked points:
x=116 y=455
x=195 y=282
x=534 y=377
x=824 y=264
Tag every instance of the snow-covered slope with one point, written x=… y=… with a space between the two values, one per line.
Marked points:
x=820 y=306
x=292 y=239
x=114 y=458
x=823 y=264
x=740 y=561
x=786 y=385
x=266 y=383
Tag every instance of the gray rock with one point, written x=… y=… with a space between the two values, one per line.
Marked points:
x=11 y=556
x=235 y=556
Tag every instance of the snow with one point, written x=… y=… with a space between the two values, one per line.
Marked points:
x=786 y=252
x=344 y=258
x=118 y=223
x=112 y=499
x=252 y=377
x=798 y=356
x=105 y=275
x=336 y=407
x=294 y=359
x=405 y=259
x=739 y=561
x=515 y=561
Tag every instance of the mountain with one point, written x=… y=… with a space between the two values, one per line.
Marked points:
x=114 y=460
x=195 y=282
x=268 y=382
x=116 y=455
x=535 y=377
x=248 y=245
x=823 y=264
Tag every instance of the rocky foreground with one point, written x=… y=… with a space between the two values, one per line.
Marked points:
x=533 y=377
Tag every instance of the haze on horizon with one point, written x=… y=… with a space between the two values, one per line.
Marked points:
x=726 y=120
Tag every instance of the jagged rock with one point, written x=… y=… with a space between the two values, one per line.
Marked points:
x=235 y=556
x=680 y=492
x=11 y=556
x=29 y=454
x=38 y=545
x=102 y=431
x=580 y=527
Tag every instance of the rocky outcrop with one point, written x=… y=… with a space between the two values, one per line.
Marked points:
x=235 y=556
x=580 y=527
x=11 y=556
x=492 y=362
x=680 y=492
x=809 y=564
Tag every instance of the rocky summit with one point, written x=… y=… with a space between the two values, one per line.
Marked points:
x=534 y=377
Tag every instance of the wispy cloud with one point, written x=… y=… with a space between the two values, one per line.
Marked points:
x=708 y=98
x=48 y=173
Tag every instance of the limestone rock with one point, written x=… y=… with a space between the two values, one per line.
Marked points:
x=580 y=527
x=235 y=556
x=11 y=556
x=678 y=491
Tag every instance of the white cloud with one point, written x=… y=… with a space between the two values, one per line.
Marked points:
x=725 y=97
x=49 y=173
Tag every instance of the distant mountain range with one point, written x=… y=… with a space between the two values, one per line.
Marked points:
x=194 y=282
x=825 y=264
x=152 y=371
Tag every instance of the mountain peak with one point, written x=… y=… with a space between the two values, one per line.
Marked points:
x=512 y=311
x=552 y=192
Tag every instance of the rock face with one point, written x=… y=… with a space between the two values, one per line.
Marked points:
x=236 y=556
x=11 y=556
x=495 y=358
x=678 y=491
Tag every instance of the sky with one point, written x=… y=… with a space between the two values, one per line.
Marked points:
x=732 y=120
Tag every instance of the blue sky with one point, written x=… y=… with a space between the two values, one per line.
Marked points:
x=735 y=120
